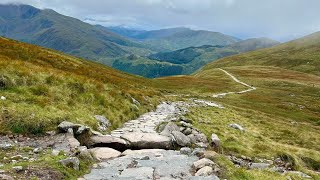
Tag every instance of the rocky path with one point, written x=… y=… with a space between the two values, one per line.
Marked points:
x=250 y=88
x=153 y=157
x=148 y=122
x=161 y=163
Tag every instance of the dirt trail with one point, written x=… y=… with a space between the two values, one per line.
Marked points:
x=250 y=88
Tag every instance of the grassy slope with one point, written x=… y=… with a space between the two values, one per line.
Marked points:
x=282 y=117
x=44 y=87
x=300 y=55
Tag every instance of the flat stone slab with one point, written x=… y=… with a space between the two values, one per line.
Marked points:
x=104 y=153
x=161 y=164
x=108 y=141
x=138 y=173
x=147 y=141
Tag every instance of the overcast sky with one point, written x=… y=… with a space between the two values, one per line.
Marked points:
x=278 y=19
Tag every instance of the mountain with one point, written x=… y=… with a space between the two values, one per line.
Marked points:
x=176 y=38
x=146 y=67
x=50 y=29
x=195 y=57
x=253 y=44
x=299 y=55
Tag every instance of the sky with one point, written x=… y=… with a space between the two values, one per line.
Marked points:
x=281 y=20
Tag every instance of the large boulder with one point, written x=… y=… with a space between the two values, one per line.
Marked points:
x=108 y=141
x=104 y=153
x=180 y=138
x=169 y=128
x=147 y=141
x=103 y=122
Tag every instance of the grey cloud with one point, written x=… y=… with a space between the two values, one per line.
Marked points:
x=278 y=19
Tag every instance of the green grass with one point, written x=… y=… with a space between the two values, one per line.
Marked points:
x=45 y=163
x=281 y=118
x=44 y=87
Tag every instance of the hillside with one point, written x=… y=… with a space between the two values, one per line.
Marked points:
x=44 y=87
x=299 y=55
x=194 y=58
x=176 y=38
x=50 y=29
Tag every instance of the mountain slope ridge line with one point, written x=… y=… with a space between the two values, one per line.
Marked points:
x=251 y=88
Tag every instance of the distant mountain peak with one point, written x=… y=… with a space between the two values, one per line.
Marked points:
x=10 y=11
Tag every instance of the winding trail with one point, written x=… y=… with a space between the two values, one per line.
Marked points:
x=156 y=164
x=250 y=88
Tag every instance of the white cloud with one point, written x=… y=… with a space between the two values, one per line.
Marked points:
x=277 y=19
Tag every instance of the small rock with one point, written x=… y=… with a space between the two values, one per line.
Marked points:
x=84 y=153
x=55 y=152
x=38 y=150
x=72 y=162
x=82 y=129
x=259 y=166
x=104 y=153
x=199 y=152
x=6 y=146
x=201 y=138
x=202 y=163
x=17 y=168
x=184 y=119
x=205 y=171
x=201 y=145
x=185 y=150
x=210 y=154
x=180 y=138
x=3 y=98
x=184 y=124
x=65 y=126
x=192 y=138
x=169 y=128
x=187 y=131
x=17 y=157
x=215 y=141
x=237 y=126
x=136 y=102
x=103 y=122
